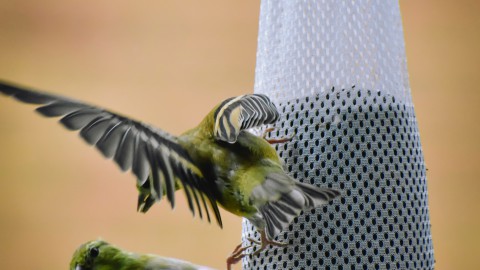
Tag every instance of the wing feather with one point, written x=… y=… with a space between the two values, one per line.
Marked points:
x=242 y=112
x=58 y=108
x=162 y=162
x=96 y=129
x=109 y=142
x=140 y=166
x=124 y=154
x=79 y=119
x=154 y=156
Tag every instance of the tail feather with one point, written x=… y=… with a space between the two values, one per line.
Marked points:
x=280 y=213
x=317 y=196
x=273 y=224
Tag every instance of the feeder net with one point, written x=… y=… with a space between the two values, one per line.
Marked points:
x=337 y=71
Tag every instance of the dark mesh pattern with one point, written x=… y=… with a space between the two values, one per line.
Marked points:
x=366 y=144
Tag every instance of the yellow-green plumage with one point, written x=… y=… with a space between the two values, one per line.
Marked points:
x=236 y=168
x=100 y=255
x=218 y=161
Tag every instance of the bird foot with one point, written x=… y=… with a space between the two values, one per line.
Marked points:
x=277 y=244
x=254 y=241
x=264 y=242
x=274 y=141
x=236 y=255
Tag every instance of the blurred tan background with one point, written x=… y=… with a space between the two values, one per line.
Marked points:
x=168 y=63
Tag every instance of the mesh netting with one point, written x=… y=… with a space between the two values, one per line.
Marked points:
x=366 y=144
x=307 y=47
x=363 y=142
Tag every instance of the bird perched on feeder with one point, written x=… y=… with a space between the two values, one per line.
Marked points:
x=100 y=255
x=216 y=162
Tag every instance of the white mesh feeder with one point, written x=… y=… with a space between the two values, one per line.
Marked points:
x=337 y=70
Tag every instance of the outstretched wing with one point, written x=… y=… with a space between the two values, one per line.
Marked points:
x=154 y=156
x=242 y=112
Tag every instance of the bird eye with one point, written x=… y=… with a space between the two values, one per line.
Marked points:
x=94 y=252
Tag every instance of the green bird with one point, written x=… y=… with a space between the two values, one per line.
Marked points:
x=217 y=162
x=100 y=255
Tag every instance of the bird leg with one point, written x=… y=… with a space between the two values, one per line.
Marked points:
x=273 y=141
x=264 y=242
x=236 y=255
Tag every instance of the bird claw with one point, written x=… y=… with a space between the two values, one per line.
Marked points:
x=266 y=131
x=258 y=251
x=236 y=255
x=264 y=245
x=264 y=242
x=274 y=141
x=254 y=241
x=277 y=244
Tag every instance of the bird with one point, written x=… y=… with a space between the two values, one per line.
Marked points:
x=100 y=255
x=218 y=162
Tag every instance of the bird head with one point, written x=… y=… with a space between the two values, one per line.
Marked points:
x=87 y=255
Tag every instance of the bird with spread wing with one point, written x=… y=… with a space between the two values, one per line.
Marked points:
x=217 y=162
